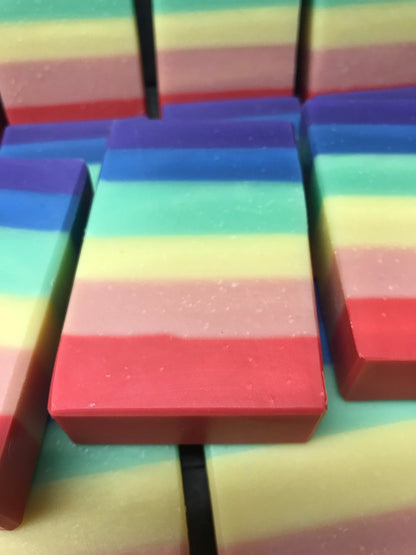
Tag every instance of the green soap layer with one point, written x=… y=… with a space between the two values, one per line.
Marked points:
x=174 y=6
x=45 y=10
x=360 y=174
x=94 y=170
x=59 y=458
x=30 y=260
x=166 y=208
x=342 y=416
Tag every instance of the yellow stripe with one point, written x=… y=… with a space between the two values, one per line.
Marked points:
x=67 y=39
x=368 y=221
x=195 y=257
x=245 y=27
x=113 y=512
x=327 y=480
x=22 y=319
x=375 y=24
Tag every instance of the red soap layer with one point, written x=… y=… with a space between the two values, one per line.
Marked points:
x=222 y=95
x=374 y=349
x=18 y=453
x=103 y=109
x=164 y=389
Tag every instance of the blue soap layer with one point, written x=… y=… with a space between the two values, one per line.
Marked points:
x=43 y=176
x=281 y=164
x=41 y=211
x=90 y=150
x=142 y=133
x=49 y=132
x=363 y=139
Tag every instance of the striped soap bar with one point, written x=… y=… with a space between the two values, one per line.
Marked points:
x=74 y=60
x=86 y=140
x=102 y=499
x=350 y=45
x=271 y=109
x=192 y=317
x=363 y=208
x=351 y=489
x=213 y=49
x=44 y=204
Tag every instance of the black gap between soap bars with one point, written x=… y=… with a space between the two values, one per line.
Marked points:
x=144 y=22
x=301 y=50
x=201 y=533
x=3 y=118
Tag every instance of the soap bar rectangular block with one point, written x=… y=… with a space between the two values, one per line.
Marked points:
x=62 y=63
x=86 y=140
x=210 y=50
x=202 y=327
x=44 y=205
x=362 y=161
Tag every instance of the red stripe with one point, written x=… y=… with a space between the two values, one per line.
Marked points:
x=18 y=453
x=102 y=109
x=188 y=390
x=374 y=349
x=223 y=95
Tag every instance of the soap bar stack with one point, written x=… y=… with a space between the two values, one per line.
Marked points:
x=270 y=109
x=358 y=44
x=269 y=499
x=44 y=204
x=86 y=140
x=74 y=60
x=192 y=317
x=102 y=499
x=212 y=49
x=363 y=198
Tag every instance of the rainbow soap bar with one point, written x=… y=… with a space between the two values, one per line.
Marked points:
x=271 y=109
x=351 y=489
x=216 y=49
x=86 y=140
x=350 y=45
x=101 y=500
x=69 y=60
x=192 y=317
x=363 y=207
x=44 y=204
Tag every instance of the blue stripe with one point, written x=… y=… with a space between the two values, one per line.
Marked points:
x=267 y=164
x=362 y=139
x=90 y=150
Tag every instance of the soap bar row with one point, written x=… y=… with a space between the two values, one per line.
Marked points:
x=71 y=61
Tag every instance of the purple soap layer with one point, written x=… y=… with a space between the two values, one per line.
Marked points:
x=141 y=133
x=43 y=176
x=404 y=93
x=46 y=132
x=233 y=108
x=320 y=111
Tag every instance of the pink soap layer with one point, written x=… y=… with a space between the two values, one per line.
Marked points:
x=18 y=453
x=70 y=81
x=226 y=69
x=386 y=533
x=361 y=67
x=251 y=308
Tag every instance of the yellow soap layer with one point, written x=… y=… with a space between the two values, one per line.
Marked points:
x=245 y=27
x=112 y=512
x=21 y=320
x=368 y=221
x=374 y=24
x=195 y=257
x=294 y=487
x=54 y=40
